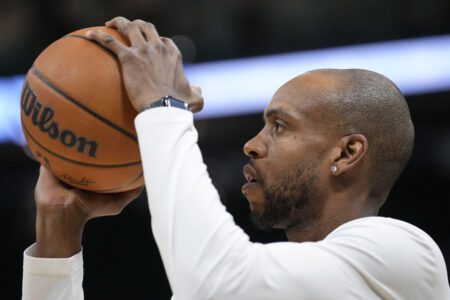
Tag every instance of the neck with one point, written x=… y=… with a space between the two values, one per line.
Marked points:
x=331 y=218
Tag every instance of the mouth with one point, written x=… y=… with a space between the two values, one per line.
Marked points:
x=252 y=179
x=250 y=174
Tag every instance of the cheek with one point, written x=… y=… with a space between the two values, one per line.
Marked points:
x=278 y=164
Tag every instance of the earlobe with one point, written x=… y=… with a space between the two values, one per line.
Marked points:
x=334 y=169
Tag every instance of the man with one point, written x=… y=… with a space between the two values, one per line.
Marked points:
x=333 y=144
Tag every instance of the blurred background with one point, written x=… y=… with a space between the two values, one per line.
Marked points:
x=406 y=40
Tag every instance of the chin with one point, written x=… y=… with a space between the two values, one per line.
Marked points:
x=255 y=206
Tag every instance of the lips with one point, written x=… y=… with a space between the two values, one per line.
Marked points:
x=250 y=174
x=253 y=180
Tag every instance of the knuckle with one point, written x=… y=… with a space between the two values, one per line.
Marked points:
x=156 y=48
x=143 y=51
x=139 y=22
x=107 y=39
x=119 y=21
x=122 y=19
x=168 y=41
x=150 y=25
x=176 y=54
x=125 y=55
x=130 y=26
x=159 y=47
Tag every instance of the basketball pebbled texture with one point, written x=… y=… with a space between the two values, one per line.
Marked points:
x=77 y=118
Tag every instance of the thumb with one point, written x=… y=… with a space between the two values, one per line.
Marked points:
x=196 y=89
x=196 y=99
x=99 y=205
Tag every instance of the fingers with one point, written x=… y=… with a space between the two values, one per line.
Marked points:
x=98 y=205
x=106 y=41
x=121 y=200
x=128 y=28
x=170 y=45
x=196 y=89
x=117 y=22
x=149 y=31
x=127 y=197
x=137 y=31
x=196 y=101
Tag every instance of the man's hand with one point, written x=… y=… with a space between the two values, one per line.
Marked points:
x=63 y=211
x=151 y=67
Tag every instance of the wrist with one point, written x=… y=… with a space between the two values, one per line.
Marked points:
x=168 y=101
x=147 y=99
x=153 y=100
x=56 y=237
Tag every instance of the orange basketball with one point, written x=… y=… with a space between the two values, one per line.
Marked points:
x=77 y=118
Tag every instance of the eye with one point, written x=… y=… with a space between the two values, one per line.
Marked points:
x=278 y=126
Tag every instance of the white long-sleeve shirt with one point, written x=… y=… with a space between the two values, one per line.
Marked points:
x=207 y=256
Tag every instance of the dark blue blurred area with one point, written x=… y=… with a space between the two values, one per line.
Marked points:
x=121 y=257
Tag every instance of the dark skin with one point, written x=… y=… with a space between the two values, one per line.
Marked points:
x=62 y=213
x=293 y=134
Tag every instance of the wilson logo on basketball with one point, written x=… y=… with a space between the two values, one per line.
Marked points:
x=43 y=118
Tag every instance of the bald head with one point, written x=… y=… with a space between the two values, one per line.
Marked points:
x=365 y=102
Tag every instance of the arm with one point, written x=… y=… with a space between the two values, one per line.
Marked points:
x=205 y=254
x=53 y=266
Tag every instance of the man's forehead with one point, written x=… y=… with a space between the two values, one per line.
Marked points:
x=291 y=98
x=311 y=84
x=303 y=95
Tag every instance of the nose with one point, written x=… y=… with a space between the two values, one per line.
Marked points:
x=255 y=147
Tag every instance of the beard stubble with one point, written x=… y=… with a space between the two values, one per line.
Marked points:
x=290 y=201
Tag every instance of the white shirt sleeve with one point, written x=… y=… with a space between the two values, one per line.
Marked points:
x=52 y=278
x=206 y=256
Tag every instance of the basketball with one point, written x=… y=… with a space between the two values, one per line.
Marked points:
x=77 y=118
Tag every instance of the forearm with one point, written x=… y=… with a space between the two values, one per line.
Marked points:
x=53 y=266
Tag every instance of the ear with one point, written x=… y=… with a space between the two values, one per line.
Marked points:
x=349 y=153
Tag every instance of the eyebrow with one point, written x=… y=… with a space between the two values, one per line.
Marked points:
x=276 y=112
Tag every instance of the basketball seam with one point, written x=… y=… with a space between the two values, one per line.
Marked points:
x=93 y=42
x=76 y=161
x=39 y=75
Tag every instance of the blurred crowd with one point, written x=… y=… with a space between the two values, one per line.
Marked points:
x=210 y=30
